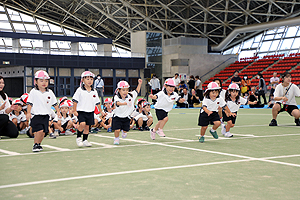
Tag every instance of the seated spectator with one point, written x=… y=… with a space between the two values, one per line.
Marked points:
x=182 y=86
x=144 y=120
x=252 y=101
x=18 y=117
x=187 y=97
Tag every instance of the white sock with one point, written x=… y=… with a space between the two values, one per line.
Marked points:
x=213 y=130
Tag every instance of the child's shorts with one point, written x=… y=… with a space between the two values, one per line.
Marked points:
x=87 y=117
x=119 y=123
x=204 y=119
x=40 y=122
x=64 y=126
x=226 y=119
x=161 y=114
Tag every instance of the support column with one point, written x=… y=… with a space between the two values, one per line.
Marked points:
x=104 y=50
x=75 y=48
x=46 y=47
x=16 y=46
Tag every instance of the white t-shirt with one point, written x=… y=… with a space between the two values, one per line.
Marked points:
x=97 y=117
x=233 y=106
x=176 y=80
x=62 y=119
x=108 y=114
x=222 y=93
x=7 y=105
x=21 y=117
x=213 y=105
x=135 y=113
x=164 y=101
x=291 y=94
x=274 y=79
x=125 y=110
x=41 y=102
x=85 y=100
x=143 y=115
x=52 y=115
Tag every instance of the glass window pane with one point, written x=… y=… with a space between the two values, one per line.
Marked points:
x=257 y=38
x=44 y=27
x=31 y=27
x=55 y=28
x=265 y=46
x=271 y=31
x=78 y=71
x=274 y=45
x=18 y=26
x=64 y=72
x=28 y=71
x=287 y=43
x=133 y=73
x=278 y=35
x=255 y=45
x=236 y=49
x=296 y=43
x=29 y=81
x=227 y=51
x=107 y=72
x=248 y=43
x=245 y=54
x=95 y=71
x=51 y=71
x=120 y=73
x=25 y=43
x=269 y=37
x=26 y=18
x=291 y=31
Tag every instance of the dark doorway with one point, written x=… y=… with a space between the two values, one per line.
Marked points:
x=13 y=86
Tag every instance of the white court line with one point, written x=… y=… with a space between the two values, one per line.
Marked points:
x=9 y=152
x=119 y=173
x=55 y=148
x=104 y=145
x=177 y=139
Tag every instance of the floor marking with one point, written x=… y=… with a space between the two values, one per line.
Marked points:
x=120 y=173
x=104 y=145
x=9 y=152
x=55 y=148
x=177 y=139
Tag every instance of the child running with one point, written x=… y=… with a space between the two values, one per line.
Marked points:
x=85 y=99
x=209 y=112
x=124 y=102
x=39 y=102
x=165 y=101
x=233 y=100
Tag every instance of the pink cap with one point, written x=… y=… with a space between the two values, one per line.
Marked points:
x=40 y=74
x=87 y=73
x=233 y=86
x=24 y=97
x=170 y=82
x=123 y=84
x=213 y=86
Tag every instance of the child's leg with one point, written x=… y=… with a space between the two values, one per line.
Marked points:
x=39 y=136
x=86 y=131
x=203 y=130
x=15 y=121
x=216 y=125
x=140 y=122
x=69 y=125
x=117 y=133
x=149 y=121
x=161 y=123
x=229 y=125
x=22 y=125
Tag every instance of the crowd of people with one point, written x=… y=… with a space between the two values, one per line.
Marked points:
x=33 y=113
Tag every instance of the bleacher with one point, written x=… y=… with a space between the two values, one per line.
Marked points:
x=266 y=66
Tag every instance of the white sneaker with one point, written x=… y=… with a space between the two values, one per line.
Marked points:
x=160 y=133
x=116 y=141
x=124 y=135
x=23 y=131
x=228 y=134
x=68 y=132
x=86 y=143
x=223 y=131
x=79 y=141
x=56 y=132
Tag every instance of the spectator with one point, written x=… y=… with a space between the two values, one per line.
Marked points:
x=182 y=86
x=187 y=97
x=191 y=83
x=253 y=102
x=99 y=86
x=236 y=79
x=176 y=81
x=155 y=85
x=245 y=85
x=262 y=88
x=7 y=128
x=274 y=82
x=198 y=87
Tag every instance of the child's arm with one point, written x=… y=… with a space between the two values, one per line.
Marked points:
x=207 y=111
x=57 y=111
x=228 y=112
x=75 y=109
x=152 y=96
x=100 y=109
x=181 y=100
x=121 y=104
x=28 y=115
x=138 y=88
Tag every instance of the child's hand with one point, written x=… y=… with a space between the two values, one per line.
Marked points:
x=28 y=116
x=75 y=126
x=103 y=114
x=140 y=81
x=75 y=113
x=3 y=106
x=14 y=107
x=233 y=114
x=209 y=113
x=219 y=108
x=151 y=96
x=285 y=99
x=61 y=129
x=59 y=115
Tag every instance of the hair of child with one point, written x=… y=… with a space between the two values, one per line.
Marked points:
x=227 y=96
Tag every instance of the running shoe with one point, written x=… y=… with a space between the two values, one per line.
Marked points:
x=160 y=133
x=214 y=134
x=152 y=134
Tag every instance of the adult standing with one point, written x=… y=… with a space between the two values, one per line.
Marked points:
x=7 y=128
x=262 y=88
x=284 y=97
x=236 y=79
x=274 y=82
x=191 y=83
x=176 y=80
x=99 y=86
x=155 y=85
x=198 y=87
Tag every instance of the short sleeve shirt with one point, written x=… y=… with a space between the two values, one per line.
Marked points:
x=235 y=106
x=164 y=101
x=20 y=118
x=294 y=91
x=62 y=119
x=274 y=79
x=125 y=110
x=7 y=105
x=213 y=105
x=86 y=100
x=41 y=102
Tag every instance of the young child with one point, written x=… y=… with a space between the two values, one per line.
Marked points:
x=124 y=102
x=135 y=113
x=108 y=110
x=144 y=120
x=18 y=117
x=39 y=102
x=65 y=123
x=85 y=99
x=164 y=104
x=209 y=112
x=233 y=101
